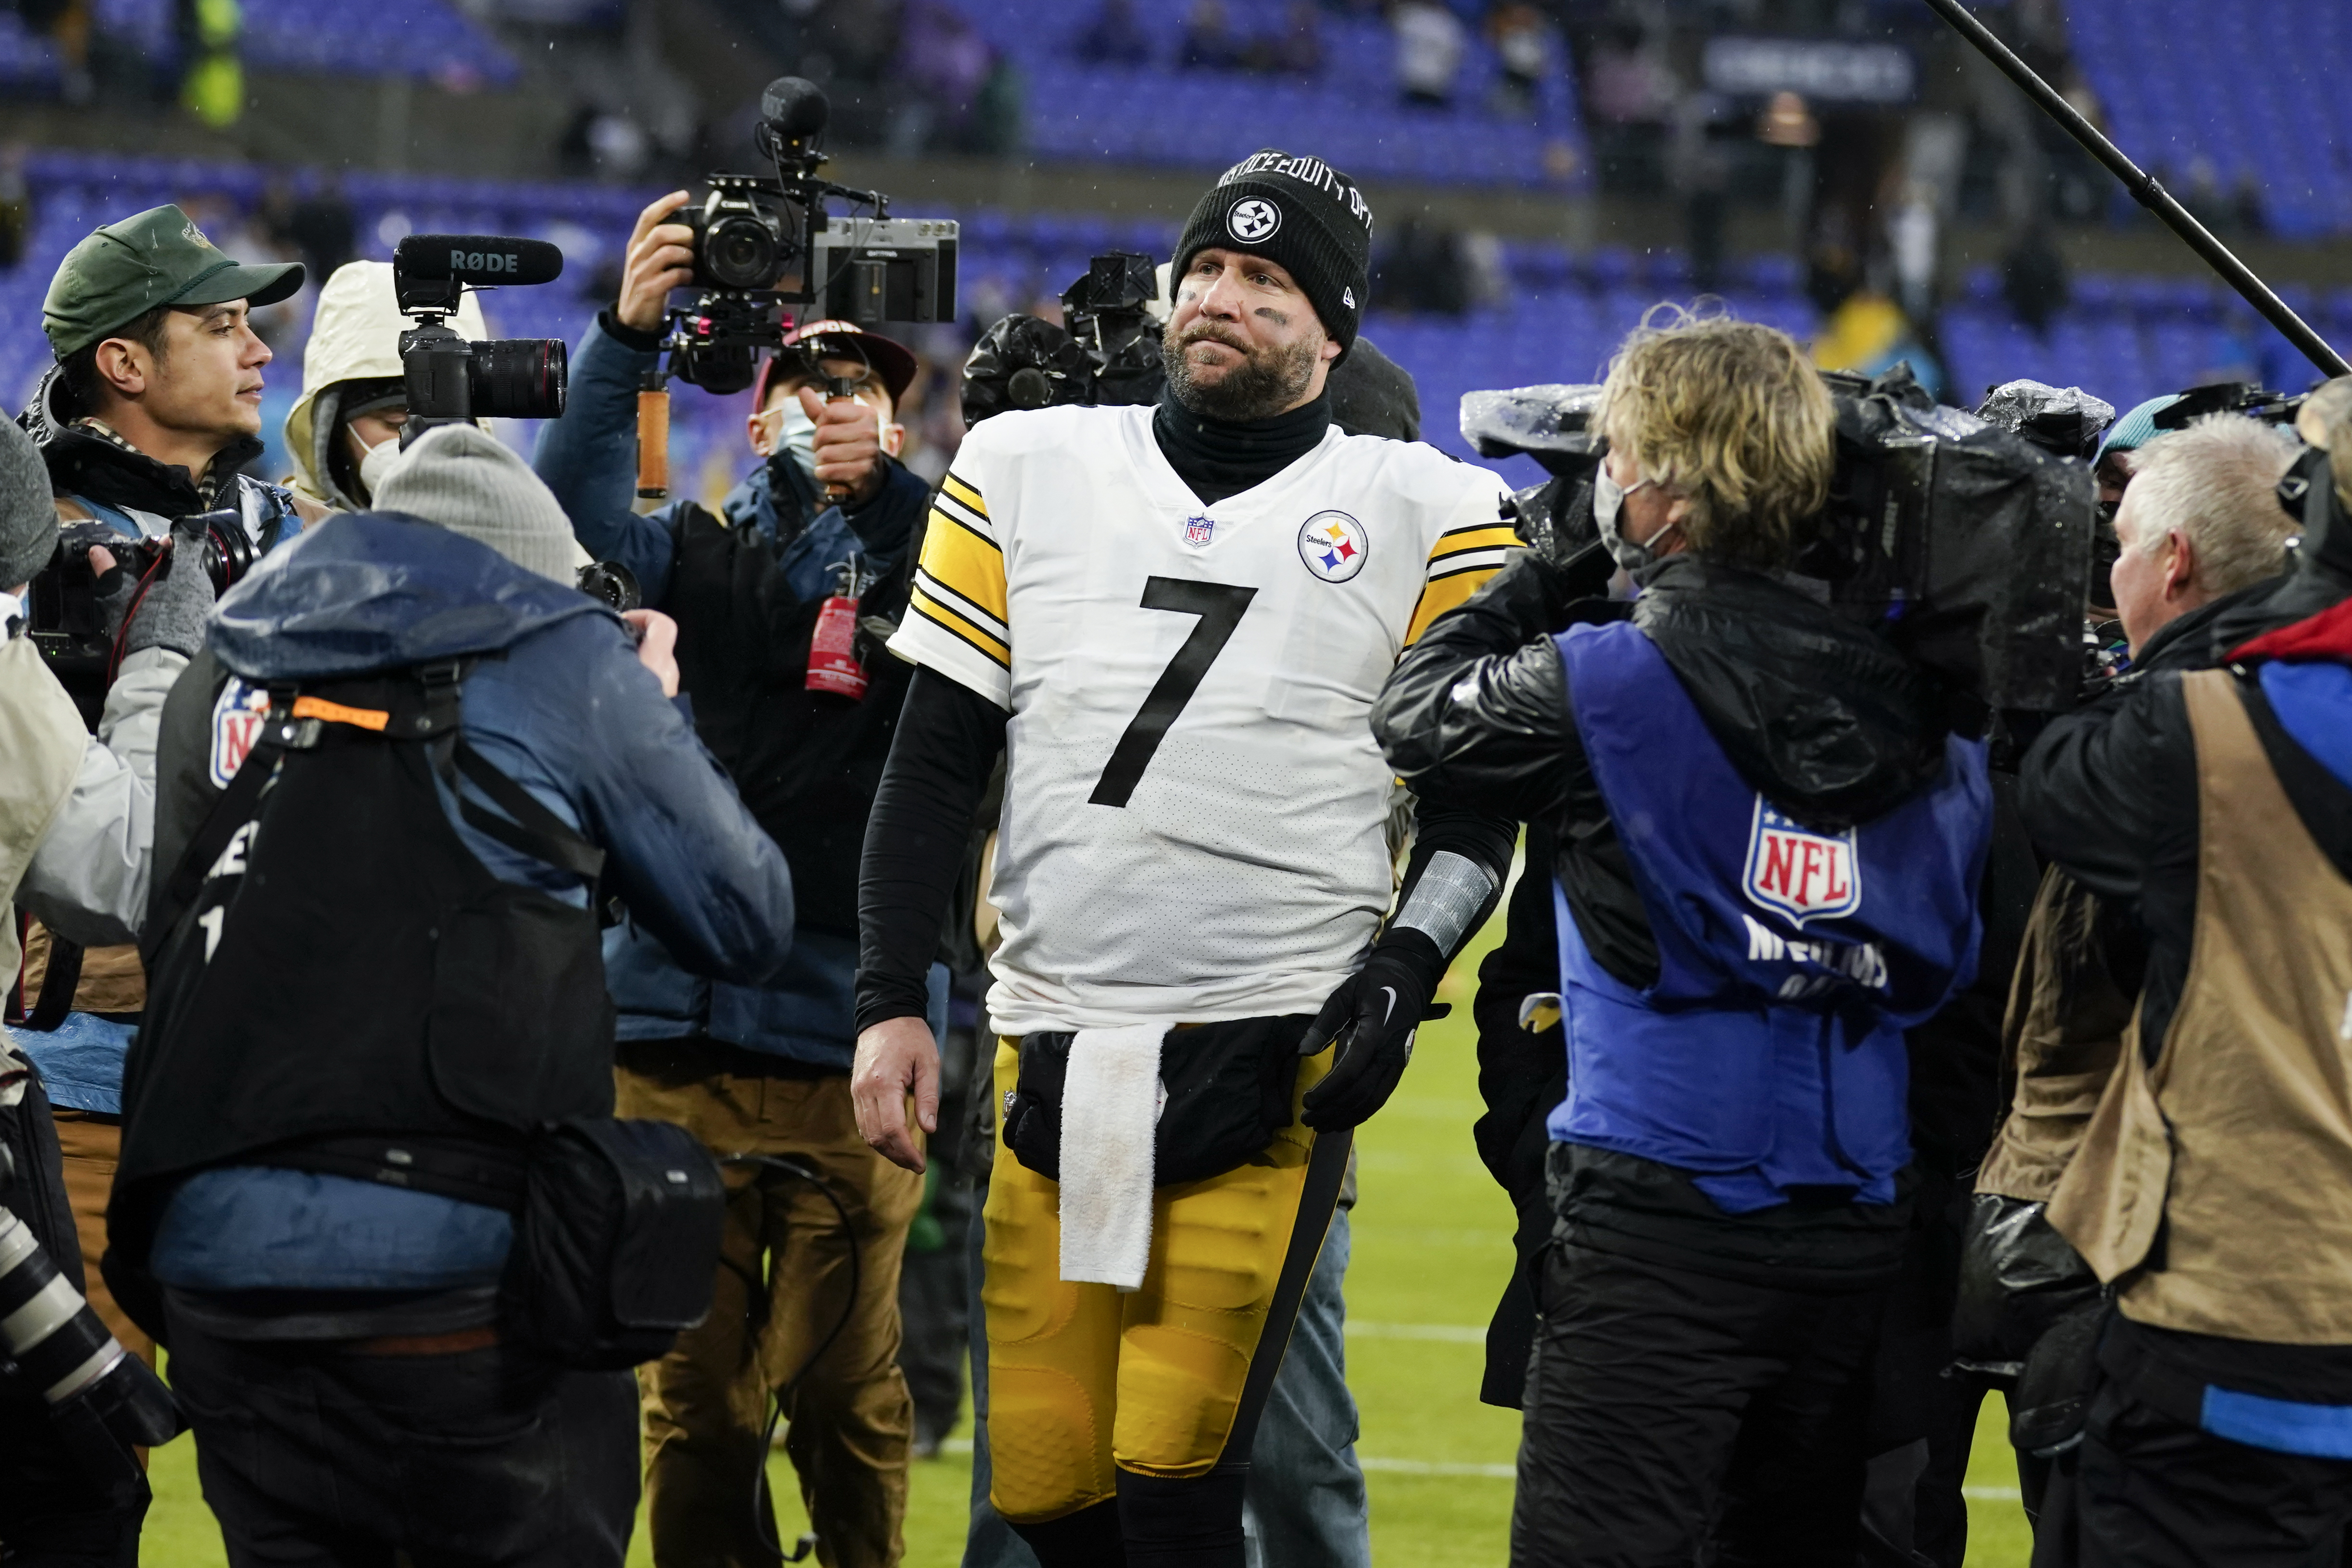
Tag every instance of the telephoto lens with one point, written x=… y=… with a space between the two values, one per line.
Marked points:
x=104 y=1400
x=518 y=378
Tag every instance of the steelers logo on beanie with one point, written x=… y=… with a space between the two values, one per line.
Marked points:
x=1301 y=213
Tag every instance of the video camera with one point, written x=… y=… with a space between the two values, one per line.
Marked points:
x=452 y=381
x=762 y=245
x=1966 y=546
x=1108 y=354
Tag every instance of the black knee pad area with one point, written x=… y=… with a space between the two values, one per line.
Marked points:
x=1086 y=1539
x=1195 y=1522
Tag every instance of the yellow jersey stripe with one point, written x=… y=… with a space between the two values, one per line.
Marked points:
x=969 y=563
x=946 y=505
x=946 y=620
x=1498 y=536
x=1442 y=594
x=964 y=493
x=952 y=600
x=1467 y=560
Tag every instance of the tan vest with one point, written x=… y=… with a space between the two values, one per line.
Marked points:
x=2238 y=1140
x=2060 y=1041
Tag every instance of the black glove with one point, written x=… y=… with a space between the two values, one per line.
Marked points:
x=179 y=597
x=1373 y=1014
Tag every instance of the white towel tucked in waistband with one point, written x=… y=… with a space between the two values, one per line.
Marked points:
x=1110 y=1104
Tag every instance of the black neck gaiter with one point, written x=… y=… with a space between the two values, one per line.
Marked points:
x=1218 y=458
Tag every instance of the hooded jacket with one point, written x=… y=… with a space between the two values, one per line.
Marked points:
x=558 y=703
x=769 y=555
x=1824 y=720
x=355 y=336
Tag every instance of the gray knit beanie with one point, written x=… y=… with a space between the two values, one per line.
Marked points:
x=470 y=482
x=28 y=517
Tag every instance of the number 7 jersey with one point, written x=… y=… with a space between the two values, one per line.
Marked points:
x=1194 y=808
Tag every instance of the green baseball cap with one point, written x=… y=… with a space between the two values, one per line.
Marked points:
x=125 y=270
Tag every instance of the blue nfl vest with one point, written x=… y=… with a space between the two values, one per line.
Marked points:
x=1769 y=1052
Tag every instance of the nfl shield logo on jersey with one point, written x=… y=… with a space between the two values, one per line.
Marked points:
x=1333 y=545
x=1197 y=531
x=1798 y=872
x=237 y=722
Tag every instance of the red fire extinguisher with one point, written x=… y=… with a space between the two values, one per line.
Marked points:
x=833 y=665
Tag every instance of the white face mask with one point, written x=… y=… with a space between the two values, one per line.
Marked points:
x=796 y=434
x=376 y=467
x=1608 y=500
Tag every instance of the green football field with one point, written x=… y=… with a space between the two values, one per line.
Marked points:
x=1432 y=1254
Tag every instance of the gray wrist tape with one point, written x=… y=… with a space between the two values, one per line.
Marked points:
x=1451 y=891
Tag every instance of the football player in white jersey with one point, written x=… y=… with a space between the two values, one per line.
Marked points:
x=1173 y=621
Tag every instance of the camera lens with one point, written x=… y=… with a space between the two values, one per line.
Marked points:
x=228 y=557
x=741 y=252
x=518 y=378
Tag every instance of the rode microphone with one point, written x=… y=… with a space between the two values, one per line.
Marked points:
x=477 y=258
x=430 y=272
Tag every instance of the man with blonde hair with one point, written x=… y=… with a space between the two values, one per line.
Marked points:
x=1770 y=852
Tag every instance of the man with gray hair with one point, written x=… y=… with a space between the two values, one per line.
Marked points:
x=2202 y=520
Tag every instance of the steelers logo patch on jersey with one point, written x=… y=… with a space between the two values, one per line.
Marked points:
x=1254 y=219
x=1333 y=545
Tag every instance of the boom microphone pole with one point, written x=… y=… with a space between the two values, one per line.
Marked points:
x=2145 y=190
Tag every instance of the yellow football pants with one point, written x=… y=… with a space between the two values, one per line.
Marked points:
x=1084 y=1381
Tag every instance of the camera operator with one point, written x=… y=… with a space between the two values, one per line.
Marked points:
x=765 y=1071
x=2205 y=807
x=1730 y=1169
x=153 y=407
x=309 y=1287
x=76 y=815
x=2201 y=542
x=343 y=432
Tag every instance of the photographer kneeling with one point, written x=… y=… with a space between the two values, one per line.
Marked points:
x=1770 y=852
x=375 y=987
x=765 y=1071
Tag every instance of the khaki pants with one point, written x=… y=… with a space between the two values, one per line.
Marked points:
x=784 y=1282
x=91 y=1144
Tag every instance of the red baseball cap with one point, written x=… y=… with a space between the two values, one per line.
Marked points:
x=894 y=363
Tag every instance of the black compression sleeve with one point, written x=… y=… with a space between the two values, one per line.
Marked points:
x=949 y=736
x=1481 y=838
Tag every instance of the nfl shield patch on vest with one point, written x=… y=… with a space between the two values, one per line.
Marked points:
x=237 y=724
x=1799 y=873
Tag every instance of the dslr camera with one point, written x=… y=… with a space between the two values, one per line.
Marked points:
x=762 y=245
x=1106 y=354
x=450 y=379
x=66 y=616
x=1964 y=544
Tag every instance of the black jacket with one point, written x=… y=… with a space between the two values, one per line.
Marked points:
x=2110 y=792
x=1823 y=719
x=1813 y=711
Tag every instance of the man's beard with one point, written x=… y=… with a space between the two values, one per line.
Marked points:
x=1266 y=382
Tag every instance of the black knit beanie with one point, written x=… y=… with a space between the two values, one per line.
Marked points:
x=1301 y=212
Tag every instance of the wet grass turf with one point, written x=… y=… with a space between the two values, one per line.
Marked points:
x=1431 y=1253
